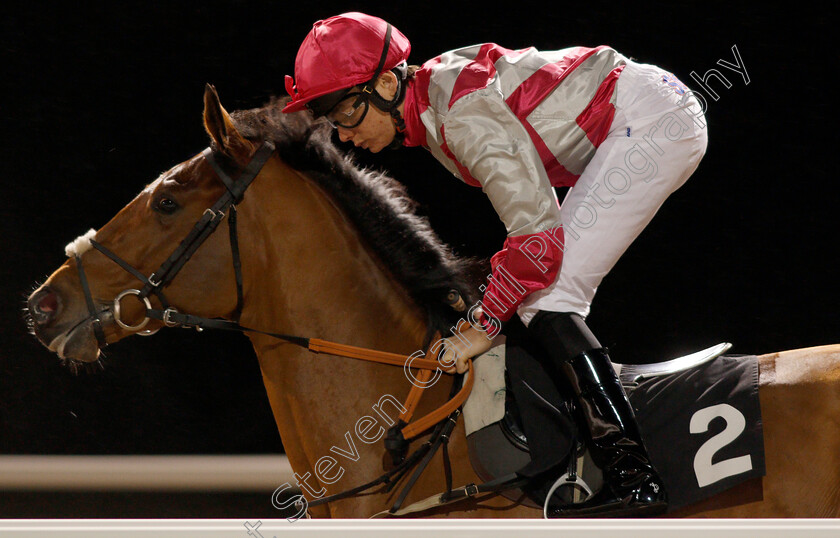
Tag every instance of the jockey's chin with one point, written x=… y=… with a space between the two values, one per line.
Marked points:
x=374 y=145
x=377 y=147
x=387 y=142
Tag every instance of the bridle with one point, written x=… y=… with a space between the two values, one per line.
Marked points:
x=206 y=225
x=171 y=317
x=442 y=421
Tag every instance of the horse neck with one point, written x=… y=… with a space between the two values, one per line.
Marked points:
x=307 y=273
x=310 y=272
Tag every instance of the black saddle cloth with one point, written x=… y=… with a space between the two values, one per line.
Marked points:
x=702 y=427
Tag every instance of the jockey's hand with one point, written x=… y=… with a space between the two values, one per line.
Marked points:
x=459 y=351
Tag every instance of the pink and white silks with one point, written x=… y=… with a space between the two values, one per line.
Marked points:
x=622 y=135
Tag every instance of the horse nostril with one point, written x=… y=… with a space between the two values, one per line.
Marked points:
x=43 y=305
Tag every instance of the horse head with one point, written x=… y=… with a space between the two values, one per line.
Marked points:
x=143 y=235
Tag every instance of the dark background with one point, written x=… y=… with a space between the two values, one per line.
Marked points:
x=97 y=100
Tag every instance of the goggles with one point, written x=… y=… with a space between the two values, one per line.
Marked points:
x=349 y=112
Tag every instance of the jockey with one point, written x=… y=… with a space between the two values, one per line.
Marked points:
x=621 y=134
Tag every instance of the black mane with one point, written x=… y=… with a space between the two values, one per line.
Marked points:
x=379 y=208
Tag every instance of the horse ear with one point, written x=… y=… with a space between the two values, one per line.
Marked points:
x=219 y=126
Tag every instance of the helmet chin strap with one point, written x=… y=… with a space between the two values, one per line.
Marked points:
x=385 y=105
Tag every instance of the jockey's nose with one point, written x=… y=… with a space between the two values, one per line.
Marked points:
x=344 y=134
x=43 y=305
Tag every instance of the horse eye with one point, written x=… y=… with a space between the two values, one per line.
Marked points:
x=166 y=206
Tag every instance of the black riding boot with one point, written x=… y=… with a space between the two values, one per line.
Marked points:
x=632 y=487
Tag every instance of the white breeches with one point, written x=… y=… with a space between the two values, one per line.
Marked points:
x=656 y=140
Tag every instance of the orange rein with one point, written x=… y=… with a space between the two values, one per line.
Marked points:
x=426 y=367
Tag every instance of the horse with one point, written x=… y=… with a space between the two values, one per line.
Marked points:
x=330 y=249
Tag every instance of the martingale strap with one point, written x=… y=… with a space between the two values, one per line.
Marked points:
x=422 y=456
x=511 y=481
x=442 y=419
x=442 y=439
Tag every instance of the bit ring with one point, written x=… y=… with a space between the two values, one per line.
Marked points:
x=116 y=310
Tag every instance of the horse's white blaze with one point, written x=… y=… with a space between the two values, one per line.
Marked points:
x=80 y=245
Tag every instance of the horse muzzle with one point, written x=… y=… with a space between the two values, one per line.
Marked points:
x=64 y=330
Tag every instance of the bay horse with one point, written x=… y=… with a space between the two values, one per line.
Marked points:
x=331 y=250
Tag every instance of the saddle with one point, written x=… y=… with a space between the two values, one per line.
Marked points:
x=517 y=422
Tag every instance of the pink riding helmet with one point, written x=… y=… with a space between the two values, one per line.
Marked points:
x=341 y=52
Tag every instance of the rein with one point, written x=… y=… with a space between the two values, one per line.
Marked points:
x=442 y=419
